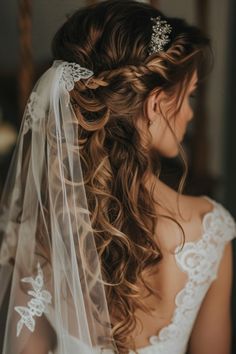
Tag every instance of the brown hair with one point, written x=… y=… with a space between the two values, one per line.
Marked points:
x=112 y=38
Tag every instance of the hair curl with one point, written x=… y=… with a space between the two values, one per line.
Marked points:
x=111 y=38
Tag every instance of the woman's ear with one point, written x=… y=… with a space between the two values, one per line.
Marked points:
x=153 y=105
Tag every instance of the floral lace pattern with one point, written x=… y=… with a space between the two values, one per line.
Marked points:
x=36 y=107
x=35 y=111
x=72 y=73
x=37 y=305
x=200 y=260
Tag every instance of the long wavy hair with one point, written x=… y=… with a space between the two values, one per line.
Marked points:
x=112 y=39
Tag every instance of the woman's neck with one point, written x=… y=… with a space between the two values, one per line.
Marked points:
x=163 y=194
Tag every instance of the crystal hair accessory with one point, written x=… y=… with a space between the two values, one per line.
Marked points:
x=160 y=36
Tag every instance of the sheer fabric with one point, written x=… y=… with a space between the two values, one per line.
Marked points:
x=49 y=267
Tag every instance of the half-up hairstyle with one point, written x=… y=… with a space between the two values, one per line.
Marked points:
x=112 y=39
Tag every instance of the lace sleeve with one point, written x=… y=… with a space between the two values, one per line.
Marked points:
x=219 y=223
x=219 y=228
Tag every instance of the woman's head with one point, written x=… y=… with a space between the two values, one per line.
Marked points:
x=135 y=103
x=113 y=38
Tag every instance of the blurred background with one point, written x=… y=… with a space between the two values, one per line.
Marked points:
x=26 y=31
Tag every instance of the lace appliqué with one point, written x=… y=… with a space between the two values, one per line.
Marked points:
x=200 y=260
x=72 y=73
x=37 y=305
x=35 y=111
x=36 y=107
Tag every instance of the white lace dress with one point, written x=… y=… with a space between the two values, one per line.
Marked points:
x=200 y=261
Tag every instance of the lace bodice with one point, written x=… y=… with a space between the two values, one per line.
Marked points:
x=200 y=260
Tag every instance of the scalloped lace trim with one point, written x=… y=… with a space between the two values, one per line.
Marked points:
x=200 y=260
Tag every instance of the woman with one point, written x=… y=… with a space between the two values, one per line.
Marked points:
x=101 y=254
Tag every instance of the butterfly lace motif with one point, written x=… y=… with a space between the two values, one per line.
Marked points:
x=200 y=260
x=37 y=305
x=72 y=73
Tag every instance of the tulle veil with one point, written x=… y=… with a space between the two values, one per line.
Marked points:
x=52 y=293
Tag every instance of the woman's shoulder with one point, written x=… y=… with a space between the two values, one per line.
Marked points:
x=198 y=206
x=195 y=215
x=214 y=218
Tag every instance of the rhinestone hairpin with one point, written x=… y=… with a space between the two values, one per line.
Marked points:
x=160 y=37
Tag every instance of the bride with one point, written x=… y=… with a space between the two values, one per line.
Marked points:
x=98 y=254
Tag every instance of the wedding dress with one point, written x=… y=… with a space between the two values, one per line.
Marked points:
x=200 y=260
